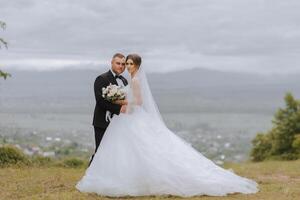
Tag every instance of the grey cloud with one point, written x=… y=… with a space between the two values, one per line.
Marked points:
x=245 y=35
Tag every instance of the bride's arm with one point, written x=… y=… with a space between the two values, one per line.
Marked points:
x=121 y=102
x=137 y=96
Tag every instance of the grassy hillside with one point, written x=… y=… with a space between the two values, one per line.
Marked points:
x=277 y=180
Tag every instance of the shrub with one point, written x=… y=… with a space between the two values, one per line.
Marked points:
x=296 y=143
x=10 y=155
x=42 y=161
x=73 y=163
x=261 y=147
x=283 y=140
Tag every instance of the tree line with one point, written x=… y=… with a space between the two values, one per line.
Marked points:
x=3 y=44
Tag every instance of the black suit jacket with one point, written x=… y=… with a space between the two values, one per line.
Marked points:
x=103 y=105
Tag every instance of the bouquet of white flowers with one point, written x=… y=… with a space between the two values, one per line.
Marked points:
x=113 y=92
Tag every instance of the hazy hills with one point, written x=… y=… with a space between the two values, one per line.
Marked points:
x=190 y=90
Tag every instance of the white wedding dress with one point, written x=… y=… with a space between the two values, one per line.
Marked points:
x=140 y=156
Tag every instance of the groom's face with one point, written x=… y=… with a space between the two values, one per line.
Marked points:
x=118 y=65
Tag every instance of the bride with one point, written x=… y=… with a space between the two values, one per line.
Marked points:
x=140 y=156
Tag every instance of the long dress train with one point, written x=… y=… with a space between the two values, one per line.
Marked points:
x=139 y=156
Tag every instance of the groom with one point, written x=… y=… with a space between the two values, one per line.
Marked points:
x=104 y=109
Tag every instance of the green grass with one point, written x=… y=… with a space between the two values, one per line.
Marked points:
x=277 y=180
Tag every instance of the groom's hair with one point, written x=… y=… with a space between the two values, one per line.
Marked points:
x=118 y=55
x=137 y=60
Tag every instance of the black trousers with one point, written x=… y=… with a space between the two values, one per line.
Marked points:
x=99 y=132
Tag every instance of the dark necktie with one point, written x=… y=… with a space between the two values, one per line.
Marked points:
x=121 y=78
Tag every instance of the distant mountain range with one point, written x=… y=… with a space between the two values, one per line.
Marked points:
x=208 y=78
x=189 y=90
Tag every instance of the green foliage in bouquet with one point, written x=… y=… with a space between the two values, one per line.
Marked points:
x=283 y=140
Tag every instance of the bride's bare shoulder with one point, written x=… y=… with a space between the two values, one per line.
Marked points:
x=135 y=83
x=135 y=80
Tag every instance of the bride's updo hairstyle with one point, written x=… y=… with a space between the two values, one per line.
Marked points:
x=137 y=60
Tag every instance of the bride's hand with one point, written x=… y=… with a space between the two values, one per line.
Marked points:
x=121 y=102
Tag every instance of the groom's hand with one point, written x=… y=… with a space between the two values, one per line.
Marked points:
x=123 y=109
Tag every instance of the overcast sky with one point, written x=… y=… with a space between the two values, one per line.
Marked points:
x=240 y=35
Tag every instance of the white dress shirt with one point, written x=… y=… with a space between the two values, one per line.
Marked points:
x=119 y=81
